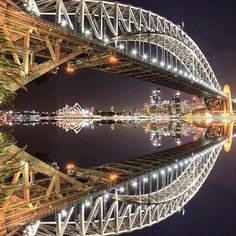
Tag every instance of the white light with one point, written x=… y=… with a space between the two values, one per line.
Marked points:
x=87 y=32
x=176 y=167
x=185 y=74
x=181 y=164
x=106 y=196
x=63 y=23
x=186 y=162
x=181 y=72
x=106 y=39
x=145 y=179
x=145 y=56
x=169 y=169
x=122 y=189
x=134 y=52
x=154 y=175
x=163 y=172
x=154 y=60
x=121 y=46
x=87 y=203
x=135 y=184
x=169 y=66
x=162 y=63
x=175 y=69
x=63 y=213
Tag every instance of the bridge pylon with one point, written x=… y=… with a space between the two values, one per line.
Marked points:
x=228 y=106
x=228 y=132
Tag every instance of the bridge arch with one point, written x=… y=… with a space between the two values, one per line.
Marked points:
x=111 y=23
x=119 y=211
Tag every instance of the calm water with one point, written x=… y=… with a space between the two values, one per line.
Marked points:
x=210 y=213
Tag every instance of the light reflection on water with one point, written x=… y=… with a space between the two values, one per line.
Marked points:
x=91 y=143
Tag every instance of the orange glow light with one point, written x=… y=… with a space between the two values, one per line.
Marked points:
x=69 y=69
x=70 y=166
x=113 y=176
x=113 y=59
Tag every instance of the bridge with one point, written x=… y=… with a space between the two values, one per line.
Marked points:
x=112 y=37
x=109 y=199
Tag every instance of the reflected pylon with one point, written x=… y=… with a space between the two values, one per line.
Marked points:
x=228 y=132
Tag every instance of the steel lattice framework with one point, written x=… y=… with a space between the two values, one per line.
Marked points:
x=136 y=203
x=128 y=193
x=85 y=33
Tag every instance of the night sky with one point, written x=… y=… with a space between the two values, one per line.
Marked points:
x=210 y=23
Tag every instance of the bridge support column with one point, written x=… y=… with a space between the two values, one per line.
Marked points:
x=228 y=132
x=228 y=108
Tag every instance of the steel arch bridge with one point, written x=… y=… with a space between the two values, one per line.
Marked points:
x=108 y=199
x=112 y=37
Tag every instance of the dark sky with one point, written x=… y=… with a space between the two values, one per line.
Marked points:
x=210 y=23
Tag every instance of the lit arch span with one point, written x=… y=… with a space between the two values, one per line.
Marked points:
x=126 y=208
x=164 y=53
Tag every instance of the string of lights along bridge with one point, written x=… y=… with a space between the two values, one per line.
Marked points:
x=117 y=197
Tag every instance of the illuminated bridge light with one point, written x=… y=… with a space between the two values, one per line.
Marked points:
x=145 y=179
x=134 y=184
x=69 y=69
x=63 y=213
x=154 y=175
x=106 y=196
x=87 y=32
x=145 y=57
x=169 y=169
x=163 y=172
x=63 y=23
x=113 y=59
x=154 y=60
x=106 y=39
x=113 y=177
x=121 y=189
x=162 y=64
x=134 y=52
x=121 y=46
x=169 y=67
x=175 y=69
x=87 y=203
x=181 y=72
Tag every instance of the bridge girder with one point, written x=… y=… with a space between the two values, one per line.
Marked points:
x=128 y=207
x=106 y=26
x=39 y=197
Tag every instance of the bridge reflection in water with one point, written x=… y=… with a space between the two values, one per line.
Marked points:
x=109 y=199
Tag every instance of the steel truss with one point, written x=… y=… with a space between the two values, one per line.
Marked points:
x=139 y=202
x=41 y=190
x=154 y=44
x=45 y=191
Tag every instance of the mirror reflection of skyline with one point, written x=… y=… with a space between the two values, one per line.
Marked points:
x=157 y=129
